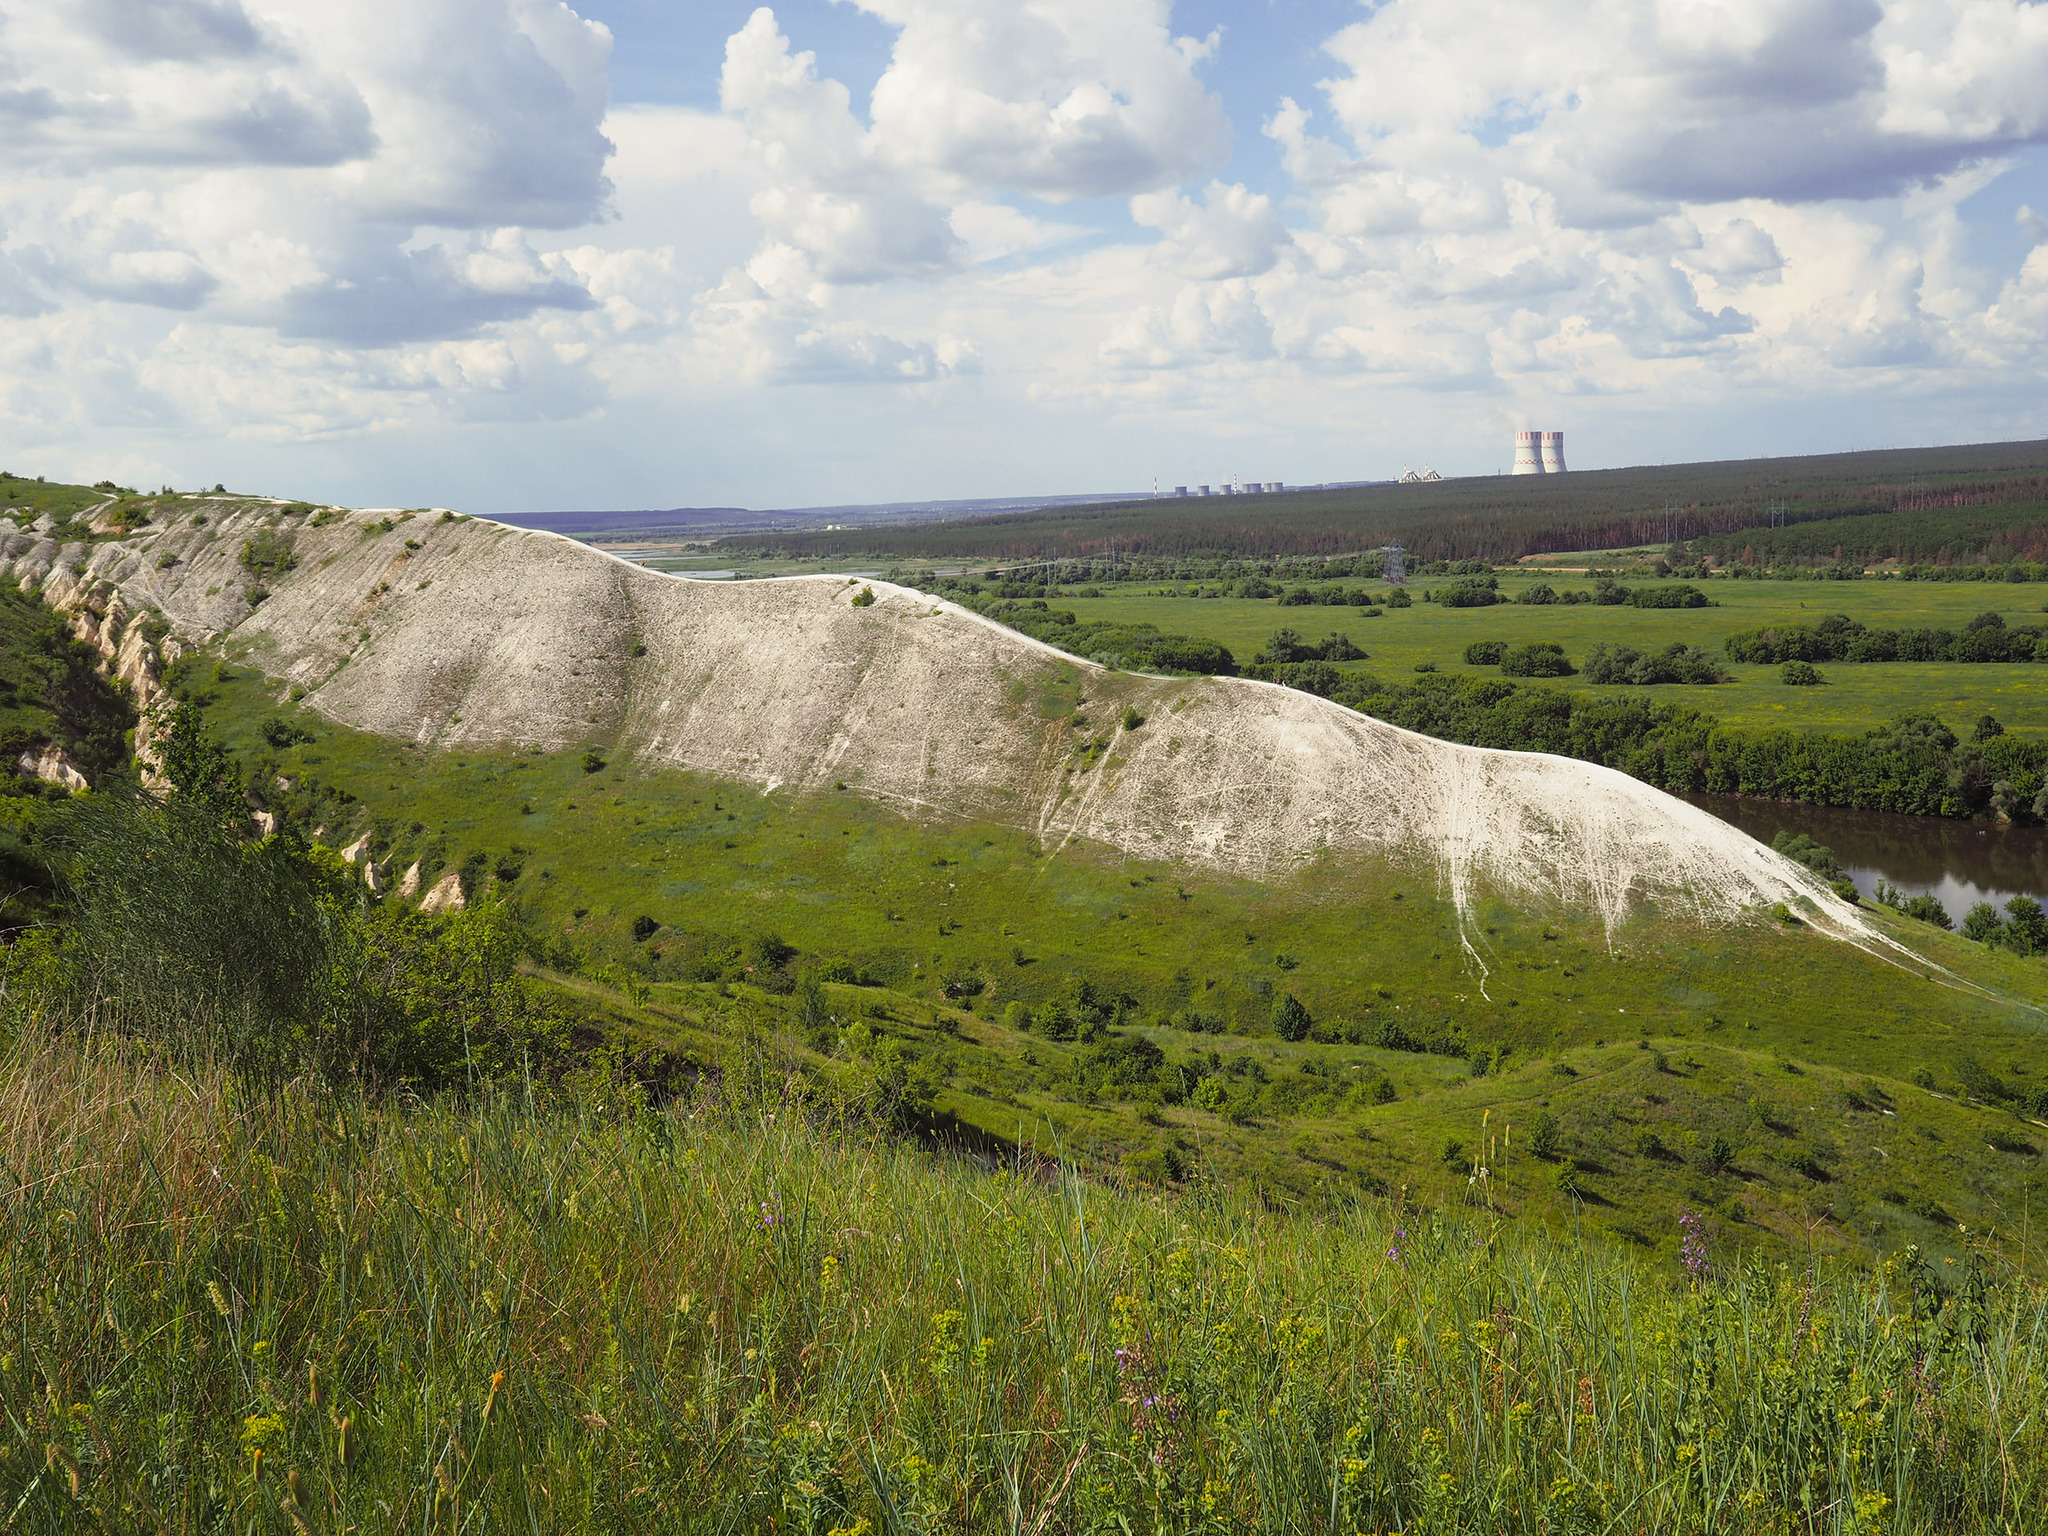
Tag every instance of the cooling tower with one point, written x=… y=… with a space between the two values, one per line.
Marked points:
x=1553 y=453
x=1528 y=455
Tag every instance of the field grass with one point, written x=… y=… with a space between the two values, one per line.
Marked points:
x=26 y=500
x=301 y=1313
x=1642 y=1054
x=1856 y=697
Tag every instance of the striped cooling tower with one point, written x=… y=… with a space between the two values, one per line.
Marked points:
x=1528 y=455
x=1553 y=453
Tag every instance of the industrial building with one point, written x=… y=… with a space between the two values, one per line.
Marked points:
x=1539 y=453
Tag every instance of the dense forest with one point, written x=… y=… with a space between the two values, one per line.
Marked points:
x=1909 y=496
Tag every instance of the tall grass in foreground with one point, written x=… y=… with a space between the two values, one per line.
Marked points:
x=291 y=1312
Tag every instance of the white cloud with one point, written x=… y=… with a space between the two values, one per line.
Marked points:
x=284 y=222
x=1231 y=233
x=1055 y=98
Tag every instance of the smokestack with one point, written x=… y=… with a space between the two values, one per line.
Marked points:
x=1553 y=453
x=1528 y=453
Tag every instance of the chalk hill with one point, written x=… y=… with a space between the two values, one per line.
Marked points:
x=452 y=632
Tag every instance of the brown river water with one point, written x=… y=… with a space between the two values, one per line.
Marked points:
x=1959 y=862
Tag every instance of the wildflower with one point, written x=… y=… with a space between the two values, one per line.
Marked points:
x=1693 y=1249
x=491 y=1398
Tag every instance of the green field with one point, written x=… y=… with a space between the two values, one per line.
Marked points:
x=1641 y=1053
x=1856 y=697
x=582 y=1311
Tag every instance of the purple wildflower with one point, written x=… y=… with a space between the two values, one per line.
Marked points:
x=1693 y=1249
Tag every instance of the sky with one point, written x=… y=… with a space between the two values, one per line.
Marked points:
x=519 y=255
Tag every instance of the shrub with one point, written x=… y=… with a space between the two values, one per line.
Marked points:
x=1818 y=857
x=1546 y=1137
x=644 y=928
x=1291 y=1020
x=1383 y=1091
x=1928 y=909
x=1540 y=594
x=864 y=598
x=1800 y=674
x=593 y=762
x=1717 y=1155
x=1485 y=653
x=1649 y=1144
x=1983 y=924
x=1610 y=664
x=1399 y=598
x=1452 y=1152
x=1682 y=595
x=1538 y=659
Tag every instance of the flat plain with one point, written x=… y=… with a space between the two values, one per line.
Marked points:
x=1855 y=697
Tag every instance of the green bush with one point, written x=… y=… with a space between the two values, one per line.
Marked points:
x=1291 y=1020
x=1538 y=659
x=1799 y=674
x=1485 y=653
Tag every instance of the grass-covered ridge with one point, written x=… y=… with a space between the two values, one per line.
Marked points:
x=1138 y=1012
x=583 y=1311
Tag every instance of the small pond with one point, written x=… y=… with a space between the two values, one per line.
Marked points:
x=1960 y=863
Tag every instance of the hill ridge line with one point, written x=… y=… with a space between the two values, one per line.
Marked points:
x=472 y=634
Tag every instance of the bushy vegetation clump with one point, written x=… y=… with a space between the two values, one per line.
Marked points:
x=1986 y=638
x=297 y=1310
x=1137 y=647
x=1676 y=663
x=1914 y=764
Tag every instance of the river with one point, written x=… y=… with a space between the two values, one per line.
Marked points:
x=1960 y=863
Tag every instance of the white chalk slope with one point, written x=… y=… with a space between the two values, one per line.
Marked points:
x=489 y=635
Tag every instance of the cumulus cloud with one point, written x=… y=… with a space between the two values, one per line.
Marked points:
x=1232 y=232
x=289 y=163
x=1056 y=98
x=286 y=220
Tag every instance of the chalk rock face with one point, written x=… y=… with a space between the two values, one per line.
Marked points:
x=357 y=849
x=463 y=633
x=446 y=896
x=266 y=823
x=53 y=765
x=409 y=882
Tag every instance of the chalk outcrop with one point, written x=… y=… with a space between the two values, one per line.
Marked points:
x=446 y=896
x=53 y=765
x=469 y=634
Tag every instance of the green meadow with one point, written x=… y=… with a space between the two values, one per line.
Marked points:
x=576 y=1309
x=1754 y=1070
x=1854 y=698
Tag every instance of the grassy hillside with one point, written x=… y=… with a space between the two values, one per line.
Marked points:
x=1503 y=517
x=1128 y=1011
x=27 y=500
x=585 y=1312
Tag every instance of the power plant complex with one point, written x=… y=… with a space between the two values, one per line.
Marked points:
x=1539 y=453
